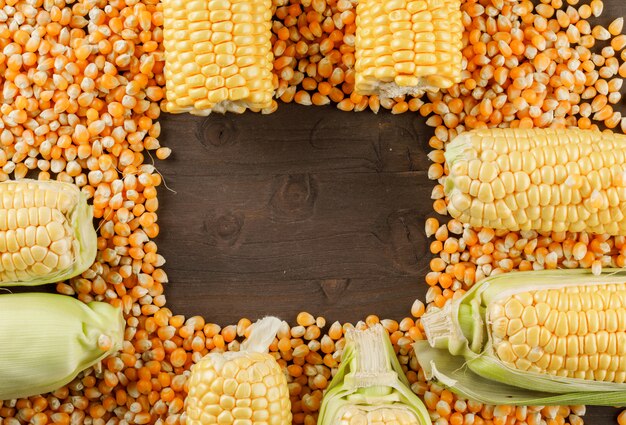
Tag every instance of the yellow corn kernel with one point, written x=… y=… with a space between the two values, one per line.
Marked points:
x=206 y=43
x=407 y=48
x=539 y=179
x=574 y=331
x=46 y=232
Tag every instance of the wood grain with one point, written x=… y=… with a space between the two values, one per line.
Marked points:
x=321 y=215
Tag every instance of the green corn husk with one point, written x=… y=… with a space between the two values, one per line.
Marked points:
x=459 y=352
x=46 y=340
x=370 y=381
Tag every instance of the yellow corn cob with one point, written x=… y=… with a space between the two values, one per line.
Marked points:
x=384 y=416
x=545 y=180
x=407 y=46
x=248 y=387
x=217 y=55
x=549 y=337
x=46 y=232
x=244 y=387
x=575 y=332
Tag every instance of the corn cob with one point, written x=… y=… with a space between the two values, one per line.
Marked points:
x=46 y=232
x=534 y=337
x=539 y=179
x=370 y=386
x=240 y=387
x=407 y=46
x=47 y=339
x=575 y=331
x=217 y=55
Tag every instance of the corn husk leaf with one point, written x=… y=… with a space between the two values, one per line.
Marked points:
x=453 y=372
x=459 y=351
x=262 y=333
x=46 y=340
x=370 y=377
x=85 y=248
x=255 y=348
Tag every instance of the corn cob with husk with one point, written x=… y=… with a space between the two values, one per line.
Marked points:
x=46 y=340
x=538 y=179
x=370 y=386
x=218 y=55
x=532 y=338
x=46 y=232
x=407 y=46
x=243 y=387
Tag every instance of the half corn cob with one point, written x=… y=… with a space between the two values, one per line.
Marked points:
x=407 y=46
x=539 y=179
x=46 y=232
x=243 y=387
x=217 y=55
x=547 y=337
x=46 y=340
x=370 y=386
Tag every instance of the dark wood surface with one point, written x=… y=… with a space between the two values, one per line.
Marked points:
x=306 y=209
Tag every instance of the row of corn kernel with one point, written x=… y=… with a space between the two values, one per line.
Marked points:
x=146 y=383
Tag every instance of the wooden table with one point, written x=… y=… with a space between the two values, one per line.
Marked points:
x=306 y=209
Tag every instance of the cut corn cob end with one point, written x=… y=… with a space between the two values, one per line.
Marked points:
x=370 y=386
x=235 y=388
x=439 y=324
x=360 y=415
x=218 y=56
x=407 y=47
x=538 y=179
x=46 y=232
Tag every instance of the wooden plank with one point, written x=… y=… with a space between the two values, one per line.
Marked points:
x=295 y=139
x=601 y=415
x=298 y=220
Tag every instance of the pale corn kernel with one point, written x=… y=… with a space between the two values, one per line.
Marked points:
x=353 y=415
